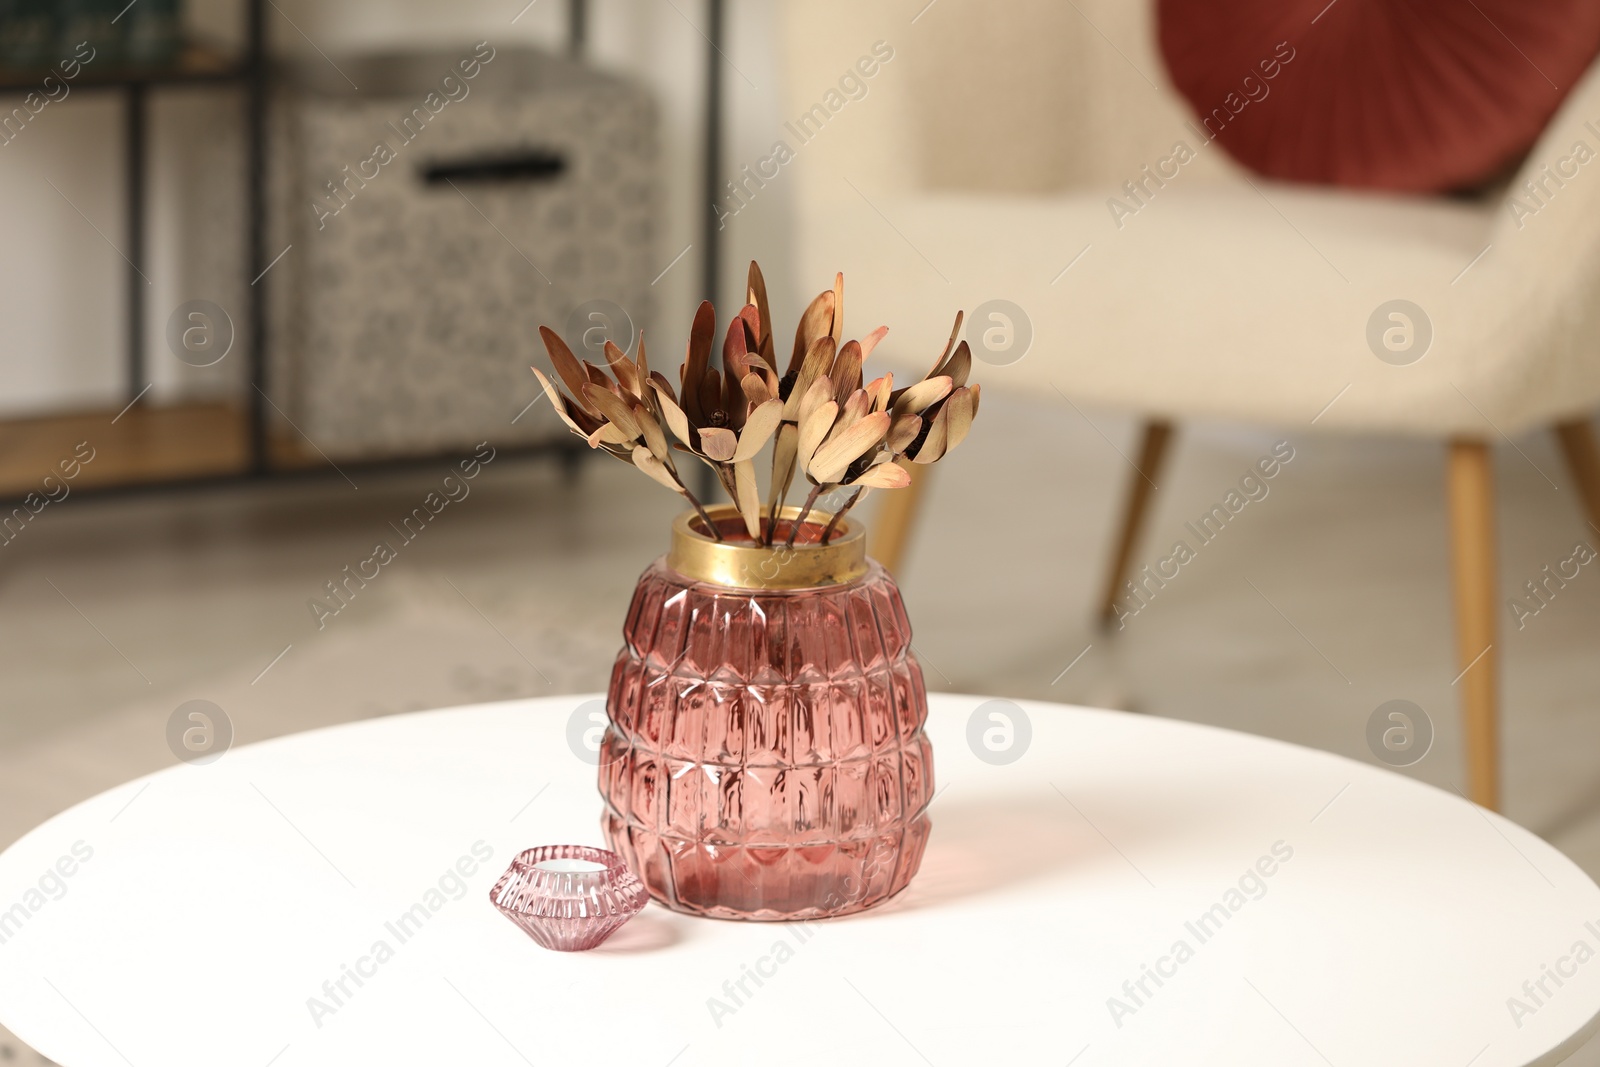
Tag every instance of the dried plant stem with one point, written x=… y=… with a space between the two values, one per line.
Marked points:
x=811 y=499
x=776 y=509
x=771 y=531
x=716 y=534
x=833 y=523
x=724 y=473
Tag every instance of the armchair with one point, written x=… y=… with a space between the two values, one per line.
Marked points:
x=1037 y=158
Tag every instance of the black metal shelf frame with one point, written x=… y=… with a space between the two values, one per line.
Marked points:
x=251 y=71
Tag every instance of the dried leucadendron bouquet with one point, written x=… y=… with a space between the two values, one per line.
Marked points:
x=822 y=420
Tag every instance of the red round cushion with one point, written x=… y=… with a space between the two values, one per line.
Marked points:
x=1409 y=95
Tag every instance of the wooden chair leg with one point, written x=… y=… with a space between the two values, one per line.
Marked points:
x=1470 y=482
x=1583 y=459
x=891 y=532
x=1152 y=451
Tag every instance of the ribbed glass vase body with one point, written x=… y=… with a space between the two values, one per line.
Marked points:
x=766 y=756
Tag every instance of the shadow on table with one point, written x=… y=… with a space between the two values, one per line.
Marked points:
x=652 y=930
x=991 y=844
x=978 y=846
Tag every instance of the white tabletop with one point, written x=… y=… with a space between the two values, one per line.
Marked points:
x=215 y=901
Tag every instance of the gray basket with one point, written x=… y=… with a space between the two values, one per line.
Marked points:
x=406 y=315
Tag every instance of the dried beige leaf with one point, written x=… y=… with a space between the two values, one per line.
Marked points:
x=612 y=407
x=623 y=368
x=755 y=362
x=902 y=431
x=663 y=386
x=949 y=346
x=884 y=476
x=718 y=444
x=933 y=446
x=655 y=468
x=677 y=421
x=813 y=324
x=566 y=365
x=750 y=316
x=831 y=460
x=784 y=448
x=878 y=391
x=854 y=409
x=871 y=340
x=748 y=496
x=812 y=432
x=735 y=350
x=759 y=426
x=545 y=384
x=816 y=365
x=756 y=286
x=838 y=308
x=557 y=401
x=820 y=393
x=923 y=395
x=650 y=429
x=698 y=359
x=959 y=409
x=958 y=366
x=846 y=372
x=755 y=389
x=609 y=433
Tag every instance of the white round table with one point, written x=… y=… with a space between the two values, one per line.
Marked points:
x=1130 y=891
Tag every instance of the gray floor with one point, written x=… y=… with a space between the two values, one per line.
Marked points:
x=1316 y=604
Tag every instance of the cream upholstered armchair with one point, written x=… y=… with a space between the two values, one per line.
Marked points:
x=983 y=162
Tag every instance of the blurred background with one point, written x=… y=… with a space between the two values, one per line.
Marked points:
x=272 y=270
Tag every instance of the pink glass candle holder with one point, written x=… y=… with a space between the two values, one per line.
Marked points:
x=568 y=897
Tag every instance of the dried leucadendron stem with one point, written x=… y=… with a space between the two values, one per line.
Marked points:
x=822 y=419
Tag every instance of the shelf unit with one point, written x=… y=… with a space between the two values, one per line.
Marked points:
x=204 y=444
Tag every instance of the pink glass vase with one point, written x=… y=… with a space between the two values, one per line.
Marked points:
x=765 y=757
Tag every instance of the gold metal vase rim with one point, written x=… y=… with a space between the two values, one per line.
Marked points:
x=743 y=565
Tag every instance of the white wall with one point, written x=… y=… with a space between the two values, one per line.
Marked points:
x=62 y=283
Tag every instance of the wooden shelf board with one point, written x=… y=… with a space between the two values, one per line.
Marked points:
x=196 y=62
x=147 y=444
